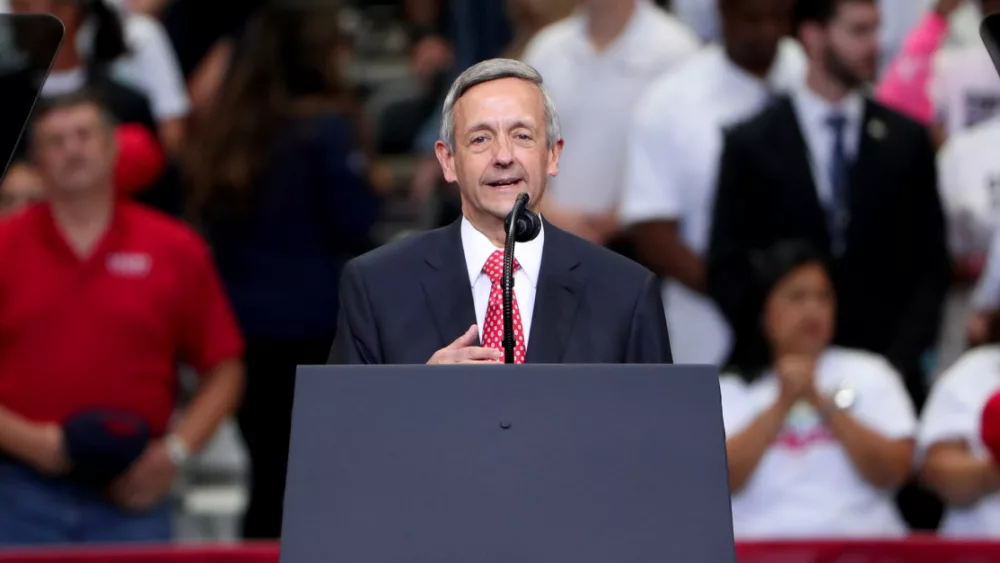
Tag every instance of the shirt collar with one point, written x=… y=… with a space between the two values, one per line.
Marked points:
x=478 y=249
x=815 y=110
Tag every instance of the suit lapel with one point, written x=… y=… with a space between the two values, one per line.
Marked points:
x=870 y=157
x=556 y=301
x=446 y=285
x=797 y=163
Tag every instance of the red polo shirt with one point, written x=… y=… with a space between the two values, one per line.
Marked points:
x=107 y=331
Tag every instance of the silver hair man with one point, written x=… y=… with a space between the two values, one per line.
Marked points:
x=488 y=71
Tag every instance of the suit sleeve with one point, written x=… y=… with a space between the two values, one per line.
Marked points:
x=357 y=339
x=918 y=327
x=732 y=233
x=649 y=342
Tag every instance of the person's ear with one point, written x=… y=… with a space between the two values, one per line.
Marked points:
x=555 y=153
x=447 y=160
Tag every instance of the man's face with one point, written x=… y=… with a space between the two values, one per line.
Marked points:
x=849 y=46
x=21 y=186
x=500 y=148
x=74 y=149
x=753 y=29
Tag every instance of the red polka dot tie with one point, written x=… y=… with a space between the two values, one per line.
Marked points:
x=493 y=324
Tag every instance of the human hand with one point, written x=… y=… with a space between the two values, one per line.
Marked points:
x=978 y=328
x=797 y=375
x=462 y=351
x=147 y=481
x=50 y=454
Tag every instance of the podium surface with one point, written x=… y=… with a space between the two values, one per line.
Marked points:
x=525 y=464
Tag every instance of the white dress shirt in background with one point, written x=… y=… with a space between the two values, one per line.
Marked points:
x=805 y=485
x=812 y=113
x=595 y=94
x=673 y=167
x=478 y=250
x=954 y=413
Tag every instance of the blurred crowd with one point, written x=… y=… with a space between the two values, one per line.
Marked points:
x=813 y=180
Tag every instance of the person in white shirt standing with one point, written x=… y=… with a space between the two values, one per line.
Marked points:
x=969 y=181
x=953 y=458
x=674 y=155
x=817 y=437
x=596 y=64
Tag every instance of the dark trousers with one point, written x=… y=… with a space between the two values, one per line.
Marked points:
x=266 y=419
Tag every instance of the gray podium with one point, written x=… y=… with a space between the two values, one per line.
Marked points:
x=507 y=464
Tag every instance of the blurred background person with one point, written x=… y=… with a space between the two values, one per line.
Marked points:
x=130 y=48
x=955 y=460
x=673 y=160
x=280 y=183
x=818 y=437
x=596 y=64
x=21 y=186
x=854 y=177
x=964 y=86
x=969 y=180
x=106 y=298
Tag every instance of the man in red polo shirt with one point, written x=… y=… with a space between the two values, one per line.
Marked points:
x=100 y=300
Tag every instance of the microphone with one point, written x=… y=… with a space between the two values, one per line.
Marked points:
x=521 y=225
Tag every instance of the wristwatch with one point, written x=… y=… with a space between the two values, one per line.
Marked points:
x=839 y=401
x=177 y=450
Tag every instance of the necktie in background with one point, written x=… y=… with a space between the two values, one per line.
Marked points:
x=839 y=209
x=493 y=323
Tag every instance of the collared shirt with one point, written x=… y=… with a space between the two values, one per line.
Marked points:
x=478 y=250
x=672 y=170
x=595 y=93
x=813 y=113
x=107 y=331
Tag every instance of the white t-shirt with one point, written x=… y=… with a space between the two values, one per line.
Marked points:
x=969 y=177
x=953 y=412
x=596 y=92
x=673 y=161
x=151 y=66
x=806 y=485
x=964 y=87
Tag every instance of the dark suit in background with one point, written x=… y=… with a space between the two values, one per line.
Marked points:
x=892 y=277
x=405 y=301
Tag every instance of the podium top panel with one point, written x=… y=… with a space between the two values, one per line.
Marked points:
x=501 y=464
x=28 y=47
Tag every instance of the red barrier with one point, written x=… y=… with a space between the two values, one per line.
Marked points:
x=914 y=550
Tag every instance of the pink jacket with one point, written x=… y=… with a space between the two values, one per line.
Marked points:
x=904 y=87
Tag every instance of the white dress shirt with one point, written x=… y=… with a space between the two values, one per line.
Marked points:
x=478 y=250
x=672 y=170
x=813 y=112
x=596 y=93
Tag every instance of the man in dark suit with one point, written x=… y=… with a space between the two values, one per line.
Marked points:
x=435 y=297
x=855 y=177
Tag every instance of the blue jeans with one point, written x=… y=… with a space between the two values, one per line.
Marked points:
x=39 y=511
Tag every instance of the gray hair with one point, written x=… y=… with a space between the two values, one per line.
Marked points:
x=488 y=71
